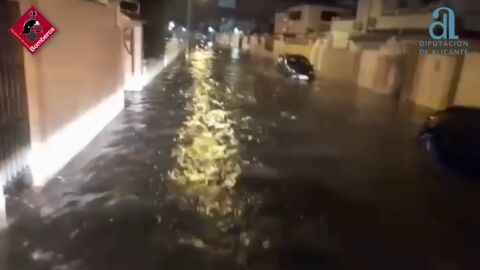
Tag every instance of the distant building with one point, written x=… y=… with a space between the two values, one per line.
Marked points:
x=304 y=20
x=378 y=20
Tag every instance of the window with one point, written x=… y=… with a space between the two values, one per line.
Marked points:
x=295 y=15
x=402 y=4
x=328 y=15
x=295 y=59
x=129 y=6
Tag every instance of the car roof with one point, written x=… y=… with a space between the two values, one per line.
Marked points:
x=461 y=109
x=295 y=55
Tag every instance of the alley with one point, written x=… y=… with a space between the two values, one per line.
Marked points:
x=221 y=163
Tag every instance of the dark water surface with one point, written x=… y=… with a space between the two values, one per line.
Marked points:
x=222 y=164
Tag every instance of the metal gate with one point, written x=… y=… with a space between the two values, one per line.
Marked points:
x=14 y=125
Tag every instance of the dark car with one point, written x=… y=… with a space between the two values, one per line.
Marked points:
x=453 y=136
x=296 y=66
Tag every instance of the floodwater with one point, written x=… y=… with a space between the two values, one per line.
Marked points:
x=223 y=164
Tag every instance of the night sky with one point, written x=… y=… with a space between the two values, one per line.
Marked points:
x=205 y=10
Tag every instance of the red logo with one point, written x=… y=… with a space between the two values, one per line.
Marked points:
x=33 y=30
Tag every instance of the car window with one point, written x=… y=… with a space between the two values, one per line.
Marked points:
x=297 y=60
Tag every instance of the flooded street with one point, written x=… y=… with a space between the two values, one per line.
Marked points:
x=221 y=163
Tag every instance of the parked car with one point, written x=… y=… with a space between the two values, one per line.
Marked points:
x=296 y=66
x=453 y=136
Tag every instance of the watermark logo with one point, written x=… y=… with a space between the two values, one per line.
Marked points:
x=32 y=30
x=447 y=24
x=444 y=40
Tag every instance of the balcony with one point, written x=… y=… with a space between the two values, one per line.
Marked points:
x=348 y=25
x=407 y=21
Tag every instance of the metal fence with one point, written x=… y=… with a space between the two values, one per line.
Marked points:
x=14 y=126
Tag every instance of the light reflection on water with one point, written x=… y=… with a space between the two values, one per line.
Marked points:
x=207 y=155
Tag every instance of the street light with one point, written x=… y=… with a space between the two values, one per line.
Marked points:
x=210 y=29
x=171 y=25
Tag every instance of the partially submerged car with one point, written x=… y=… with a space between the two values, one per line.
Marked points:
x=453 y=136
x=296 y=66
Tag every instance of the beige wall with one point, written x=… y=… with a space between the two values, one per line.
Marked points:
x=338 y=64
x=77 y=74
x=430 y=81
x=257 y=46
x=468 y=92
x=81 y=65
x=392 y=5
x=281 y=21
x=375 y=8
x=280 y=47
x=343 y=26
x=367 y=9
x=223 y=39
x=363 y=9
x=378 y=72
x=415 y=21
x=340 y=40
x=368 y=67
x=433 y=80
x=313 y=19
x=298 y=26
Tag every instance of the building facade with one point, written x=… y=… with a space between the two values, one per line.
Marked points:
x=304 y=20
